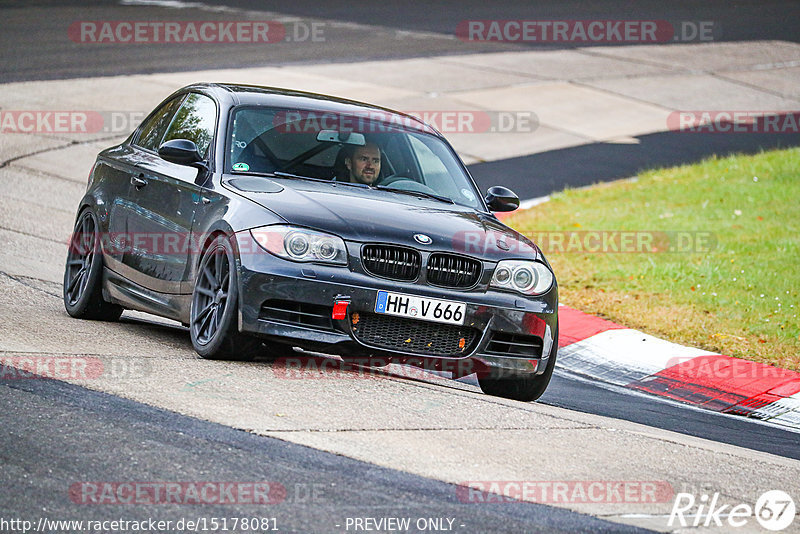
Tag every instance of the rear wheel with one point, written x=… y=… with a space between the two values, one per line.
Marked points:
x=83 y=274
x=215 y=300
x=520 y=387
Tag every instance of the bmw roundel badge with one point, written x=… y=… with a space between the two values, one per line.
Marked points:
x=422 y=239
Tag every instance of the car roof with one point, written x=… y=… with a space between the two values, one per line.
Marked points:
x=241 y=94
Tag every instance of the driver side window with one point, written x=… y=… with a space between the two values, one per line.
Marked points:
x=153 y=130
x=195 y=121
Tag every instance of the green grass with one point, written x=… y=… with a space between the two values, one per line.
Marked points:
x=739 y=298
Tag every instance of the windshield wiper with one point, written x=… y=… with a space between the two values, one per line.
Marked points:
x=282 y=174
x=419 y=194
x=350 y=184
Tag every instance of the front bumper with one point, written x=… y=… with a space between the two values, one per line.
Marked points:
x=312 y=289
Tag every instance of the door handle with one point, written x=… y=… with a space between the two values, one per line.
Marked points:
x=205 y=200
x=138 y=181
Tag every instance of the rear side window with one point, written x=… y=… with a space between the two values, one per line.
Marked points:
x=195 y=121
x=153 y=130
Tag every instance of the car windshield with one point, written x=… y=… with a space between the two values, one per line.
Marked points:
x=370 y=150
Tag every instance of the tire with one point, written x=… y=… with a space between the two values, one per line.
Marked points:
x=83 y=274
x=215 y=306
x=525 y=388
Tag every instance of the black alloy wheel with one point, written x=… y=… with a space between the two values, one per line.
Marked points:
x=213 y=324
x=83 y=274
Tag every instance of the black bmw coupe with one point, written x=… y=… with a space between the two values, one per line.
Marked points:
x=264 y=218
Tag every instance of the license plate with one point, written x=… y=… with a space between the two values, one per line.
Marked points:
x=414 y=307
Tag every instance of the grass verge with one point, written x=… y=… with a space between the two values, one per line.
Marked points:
x=704 y=255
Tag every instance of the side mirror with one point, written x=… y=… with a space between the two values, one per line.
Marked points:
x=180 y=151
x=500 y=198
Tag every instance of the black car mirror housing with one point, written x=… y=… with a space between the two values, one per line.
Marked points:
x=180 y=151
x=500 y=198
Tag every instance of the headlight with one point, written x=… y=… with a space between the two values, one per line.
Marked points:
x=529 y=277
x=300 y=244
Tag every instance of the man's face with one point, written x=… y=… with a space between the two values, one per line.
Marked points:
x=365 y=164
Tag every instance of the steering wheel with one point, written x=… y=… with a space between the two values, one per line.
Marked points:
x=394 y=178
x=403 y=183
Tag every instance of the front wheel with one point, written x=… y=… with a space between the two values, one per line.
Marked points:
x=520 y=387
x=213 y=319
x=83 y=274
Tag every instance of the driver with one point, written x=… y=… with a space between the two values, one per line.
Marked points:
x=364 y=164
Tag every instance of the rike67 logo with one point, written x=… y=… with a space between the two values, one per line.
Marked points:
x=774 y=510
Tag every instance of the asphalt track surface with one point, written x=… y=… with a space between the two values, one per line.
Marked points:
x=36 y=48
x=124 y=440
x=119 y=439
x=571 y=392
x=541 y=174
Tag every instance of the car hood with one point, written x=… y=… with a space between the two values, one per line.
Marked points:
x=370 y=215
